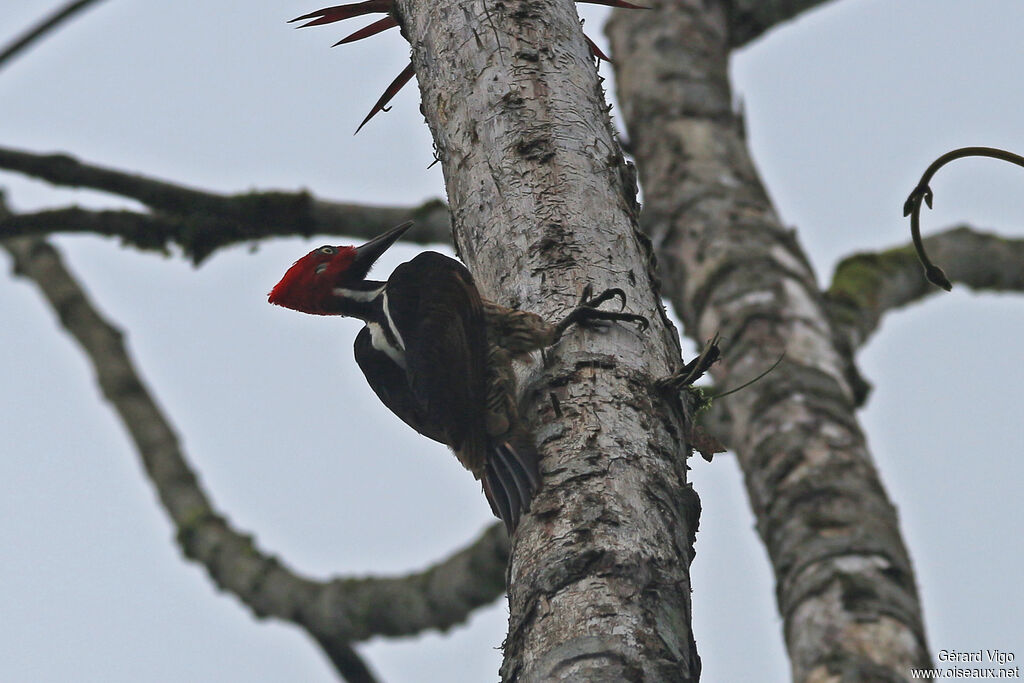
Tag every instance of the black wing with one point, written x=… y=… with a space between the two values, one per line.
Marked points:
x=389 y=382
x=442 y=392
x=436 y=308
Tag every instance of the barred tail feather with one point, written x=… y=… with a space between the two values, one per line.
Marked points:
x=516 y=503
x=497 y=498
x=510 y=480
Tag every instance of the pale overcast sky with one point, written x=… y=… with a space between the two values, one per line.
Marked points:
x=845 y=106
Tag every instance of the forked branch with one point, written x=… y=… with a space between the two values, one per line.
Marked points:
x=200 y=222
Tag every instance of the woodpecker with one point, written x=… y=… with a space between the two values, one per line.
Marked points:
x=439 y=356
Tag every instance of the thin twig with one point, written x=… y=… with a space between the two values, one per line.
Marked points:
x=923 y=193
x=750 y=381
x=42 y=28
x=693 y=370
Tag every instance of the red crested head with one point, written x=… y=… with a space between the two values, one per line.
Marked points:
x=310 y=284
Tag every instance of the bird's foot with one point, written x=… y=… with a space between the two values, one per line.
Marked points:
x=692 y=371
x=588 y=314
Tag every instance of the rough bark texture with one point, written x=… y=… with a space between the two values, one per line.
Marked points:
x=543 y=204
x=845 y=585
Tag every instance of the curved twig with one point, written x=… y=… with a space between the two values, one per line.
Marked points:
x=42 y=28
x=912 y=207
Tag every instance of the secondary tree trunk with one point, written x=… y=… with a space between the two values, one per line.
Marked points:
x=543 y=204
x=845 y=583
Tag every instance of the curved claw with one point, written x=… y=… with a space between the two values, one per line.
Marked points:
x=937 y=277
x=595 y=315
x=602 y=297
x=642 y=323
x=588 y=316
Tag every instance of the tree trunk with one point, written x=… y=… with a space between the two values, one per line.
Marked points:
x=845 y=584
x=544 y=204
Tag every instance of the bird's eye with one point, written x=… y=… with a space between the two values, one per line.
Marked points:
x=330 y=251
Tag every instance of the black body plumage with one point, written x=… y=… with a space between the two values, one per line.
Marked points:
x=434 y=374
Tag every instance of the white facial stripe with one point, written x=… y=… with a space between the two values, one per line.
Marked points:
x=379 y=340
x=391 y=324
x=358 y=294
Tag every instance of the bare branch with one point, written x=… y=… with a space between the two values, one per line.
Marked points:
x=438 y=597
x=867 y=286
x=336 y=612
x=347 y=662
x=41 y=29
x=201 y=222
x=749 y=19
x=64 y=170
x=140 y=230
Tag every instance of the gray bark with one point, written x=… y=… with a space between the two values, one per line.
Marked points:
x=543 y=204
x=845 y=584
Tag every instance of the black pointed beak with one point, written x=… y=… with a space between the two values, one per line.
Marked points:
x=367 y=254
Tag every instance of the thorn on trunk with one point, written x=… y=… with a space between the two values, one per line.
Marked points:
x=391 y=91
